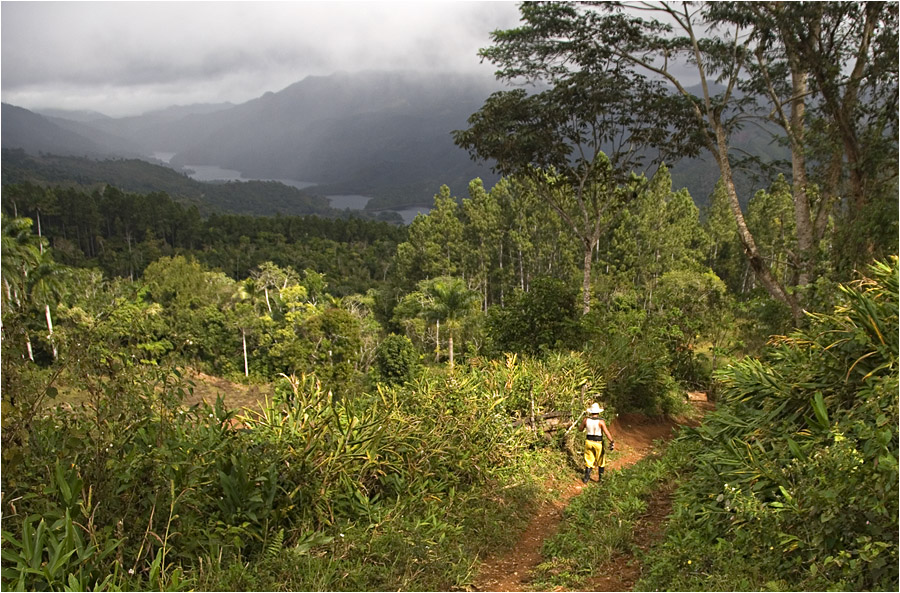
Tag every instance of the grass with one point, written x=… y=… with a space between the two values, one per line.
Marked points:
x=425 y=545
x=600 y=523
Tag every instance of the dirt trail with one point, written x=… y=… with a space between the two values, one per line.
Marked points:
x=634 y=435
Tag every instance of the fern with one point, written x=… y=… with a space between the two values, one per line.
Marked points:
x=274 y=546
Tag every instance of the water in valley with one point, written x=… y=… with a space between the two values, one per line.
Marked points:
x=211 y=173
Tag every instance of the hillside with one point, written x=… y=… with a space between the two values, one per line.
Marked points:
x=134 y=175
x=380 y=134
x=34 y=133
x=385 y=134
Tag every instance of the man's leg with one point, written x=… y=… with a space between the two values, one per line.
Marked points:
x=601 y=461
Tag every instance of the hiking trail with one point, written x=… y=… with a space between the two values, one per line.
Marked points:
x=634 y=435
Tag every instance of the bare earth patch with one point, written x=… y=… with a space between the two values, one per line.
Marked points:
x=236 y=395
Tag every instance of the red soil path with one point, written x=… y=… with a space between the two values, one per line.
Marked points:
x=634 y=435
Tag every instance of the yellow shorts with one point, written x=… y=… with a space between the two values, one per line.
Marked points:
x=594 y=454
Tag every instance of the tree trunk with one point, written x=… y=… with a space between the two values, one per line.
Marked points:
x=40 y=243
x=586 y=286
x=521 y=272
x=50 y=329
x=757 y=263
x=796 y=134
x=437 y=341
x=244 y=344
x=450 y=346
x=501 y=275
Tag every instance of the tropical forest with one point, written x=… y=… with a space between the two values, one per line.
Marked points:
x=204 y=398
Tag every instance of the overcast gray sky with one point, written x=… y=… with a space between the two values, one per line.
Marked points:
x=125 y=58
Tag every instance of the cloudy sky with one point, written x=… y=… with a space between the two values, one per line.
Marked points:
x=125 y=58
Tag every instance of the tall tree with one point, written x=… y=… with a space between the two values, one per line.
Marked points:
x=659 y=232
x=767 y=50
x=448 y=299
x=433 y=246
x=45 y=286
x=483 y=232
x=829 y=71
x=724 y=254
x=582 y=137
x=21 y=256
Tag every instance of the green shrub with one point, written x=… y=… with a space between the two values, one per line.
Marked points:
x=796 y=480
x=542 y=319
x=396 y=360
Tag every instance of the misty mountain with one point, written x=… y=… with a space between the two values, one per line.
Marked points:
x=385 y=134
x=257 y=198
x=164 y=130
x=381 y=134
x=84 y=116
x=35 y=133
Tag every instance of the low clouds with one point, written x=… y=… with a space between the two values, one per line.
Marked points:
x=123 y=58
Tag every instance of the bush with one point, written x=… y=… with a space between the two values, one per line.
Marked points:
x=396 y=360
x=402 y=488
x=544 y=318
x=797 y=472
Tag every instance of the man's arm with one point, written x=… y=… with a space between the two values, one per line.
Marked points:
x=583 y=425
x=605 y=430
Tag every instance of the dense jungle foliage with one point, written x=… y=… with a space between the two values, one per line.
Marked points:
x=254 y=198
x=790 y=484
x=401 y=368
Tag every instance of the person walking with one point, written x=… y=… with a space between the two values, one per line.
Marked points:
x=594 y=451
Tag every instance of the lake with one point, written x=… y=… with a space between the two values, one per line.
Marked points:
x=210 y=173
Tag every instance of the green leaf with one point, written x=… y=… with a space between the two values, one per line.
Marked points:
x=818 y=404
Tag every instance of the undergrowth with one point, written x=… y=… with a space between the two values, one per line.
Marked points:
x=600 y=522
x=795 y=484
x=403 y=488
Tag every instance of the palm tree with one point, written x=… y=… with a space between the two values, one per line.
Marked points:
x=241 y=301
x=448 y=299
x=20 y=256
x=45 y=285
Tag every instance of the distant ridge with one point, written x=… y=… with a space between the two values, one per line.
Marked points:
x=138 y=176
x=385 y=134
x=34 y=133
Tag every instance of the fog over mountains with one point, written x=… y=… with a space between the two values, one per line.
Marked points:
x=384 y=134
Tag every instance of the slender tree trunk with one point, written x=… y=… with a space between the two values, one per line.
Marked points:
x=244 y=344
x=269 y=306
x=484 y=277
x=586 y=286
x=502 y=280
x=805 y=233
x=40 y=243
x=521 y=272
x=757 y=263
x=531 y=395
x=437 y=341
x=450 y=346
x=49 y=319
x=50 y=329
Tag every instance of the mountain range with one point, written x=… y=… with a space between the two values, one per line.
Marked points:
x=379 y=134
